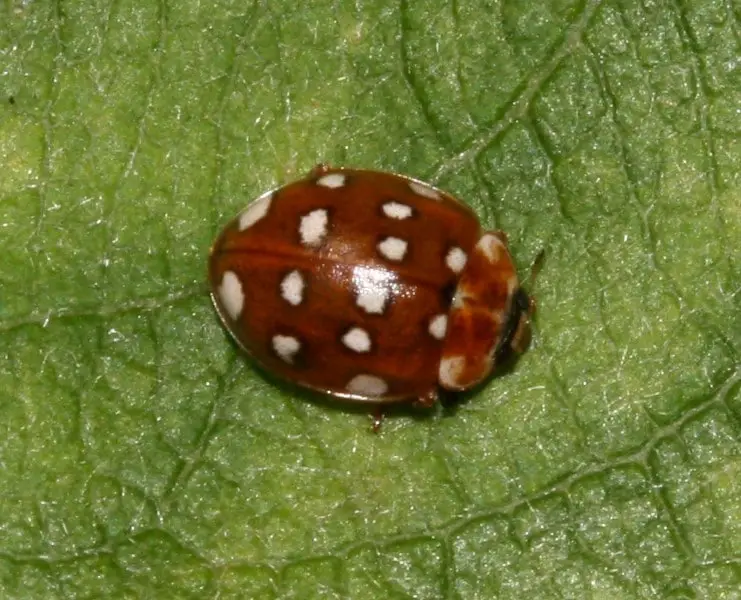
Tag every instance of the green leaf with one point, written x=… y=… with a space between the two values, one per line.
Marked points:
x=142 y=456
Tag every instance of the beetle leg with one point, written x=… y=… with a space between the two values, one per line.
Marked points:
x=319 y=170
x=427 y=400
x=377 y=417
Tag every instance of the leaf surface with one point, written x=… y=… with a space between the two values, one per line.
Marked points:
x=142 y=456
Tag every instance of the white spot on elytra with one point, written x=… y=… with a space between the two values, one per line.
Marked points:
x=333 y=180
x=255 y=211
x=313 y=228
x=367 y=385
x=451 y=369
x=373 y=287
x=491 y=247
x=424 y=190
x=438 y=326
x=456 y=259
x=286 y=347
x=357 y=339
x=393 y=248
x=373 y=301
x=292 y=288
x=397 y=210
x=231 y=294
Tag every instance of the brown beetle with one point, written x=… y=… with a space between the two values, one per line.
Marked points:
x=368 y=286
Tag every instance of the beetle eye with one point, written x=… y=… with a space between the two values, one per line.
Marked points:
x=522 y=300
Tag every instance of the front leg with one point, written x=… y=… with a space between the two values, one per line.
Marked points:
x=428 y=399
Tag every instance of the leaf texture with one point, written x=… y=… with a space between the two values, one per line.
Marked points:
x=142 y=456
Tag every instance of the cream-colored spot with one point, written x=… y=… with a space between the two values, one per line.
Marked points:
x=373 y=301
x=373 y=287
x=255 y=211
x=491 y=247
x=451 y=369
x=357 y=339
x=292 y=288
x=313 y=228
x=231 y=294
x=397 y=210
x=367 y=385
x=286 y=347
x=456 y=259
x=424 y=190
x=393 y=248
x=332 y=180
x=438 y=326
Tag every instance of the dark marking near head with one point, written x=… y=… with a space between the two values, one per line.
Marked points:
x=522 y=300
x=447 y=293
x=11 y=100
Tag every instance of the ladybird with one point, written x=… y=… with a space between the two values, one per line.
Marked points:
x=368 y=286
